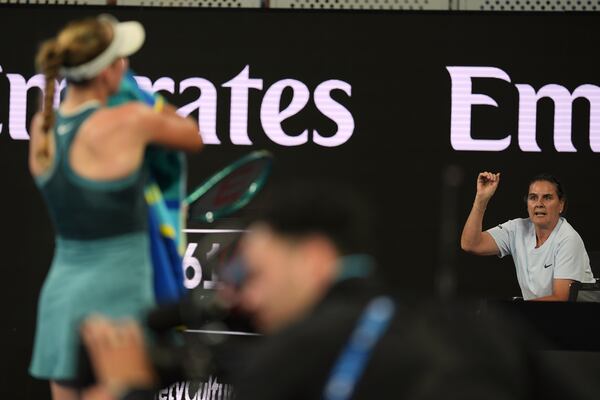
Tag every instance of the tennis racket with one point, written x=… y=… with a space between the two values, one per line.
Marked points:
x=230 y=189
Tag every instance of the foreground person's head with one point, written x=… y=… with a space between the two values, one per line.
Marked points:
x=293 y=250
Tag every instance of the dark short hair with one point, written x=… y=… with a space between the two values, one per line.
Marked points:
x=560 y=189
x=300 y=209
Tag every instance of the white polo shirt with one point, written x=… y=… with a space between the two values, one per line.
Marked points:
x=562 y=256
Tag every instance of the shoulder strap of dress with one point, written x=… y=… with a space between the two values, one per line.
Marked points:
x=67 y=125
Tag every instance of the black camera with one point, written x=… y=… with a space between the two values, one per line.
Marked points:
x=197 y=337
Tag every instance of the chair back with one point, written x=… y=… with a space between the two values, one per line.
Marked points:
x=584 y=292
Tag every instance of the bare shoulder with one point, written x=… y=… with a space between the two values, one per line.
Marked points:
x=132 y=108
x=108 y=120
x=124 y=114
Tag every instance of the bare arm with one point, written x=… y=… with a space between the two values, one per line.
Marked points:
x=473 y=239
x=167 y=128
x=560 y=291
x=40 y=147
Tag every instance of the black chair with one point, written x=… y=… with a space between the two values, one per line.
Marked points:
x=588 y=292
x=585 y=292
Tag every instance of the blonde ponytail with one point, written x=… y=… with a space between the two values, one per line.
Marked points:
x=77 y=43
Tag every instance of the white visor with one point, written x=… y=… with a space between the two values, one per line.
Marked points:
x=128 y=37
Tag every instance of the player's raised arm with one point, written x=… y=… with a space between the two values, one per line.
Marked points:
x=167 y=128
x=473 y=239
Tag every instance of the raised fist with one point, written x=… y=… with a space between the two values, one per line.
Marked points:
x=487 y=183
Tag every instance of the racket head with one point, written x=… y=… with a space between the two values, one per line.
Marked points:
x=230 y=189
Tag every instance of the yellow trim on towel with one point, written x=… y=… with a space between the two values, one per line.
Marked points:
x=167 y=231
x=159 y=104
x=152 y=194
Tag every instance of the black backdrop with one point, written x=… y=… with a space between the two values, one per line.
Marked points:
x=401 y=107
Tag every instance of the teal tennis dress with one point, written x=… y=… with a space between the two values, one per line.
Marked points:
x=101 y=262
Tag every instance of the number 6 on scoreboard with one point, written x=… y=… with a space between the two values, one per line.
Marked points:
x=189 y=261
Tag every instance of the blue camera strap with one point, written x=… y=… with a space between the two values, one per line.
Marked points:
x=353 y=360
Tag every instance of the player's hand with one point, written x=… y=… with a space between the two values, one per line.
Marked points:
x=487 y=183
x=118 y=354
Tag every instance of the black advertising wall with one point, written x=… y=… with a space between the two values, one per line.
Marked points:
x=381 y=100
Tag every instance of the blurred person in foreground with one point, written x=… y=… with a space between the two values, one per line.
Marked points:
x=88 y=162
x=332 y=331
x=548 y=253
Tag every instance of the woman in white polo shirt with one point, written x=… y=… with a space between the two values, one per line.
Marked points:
x=548 y=253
